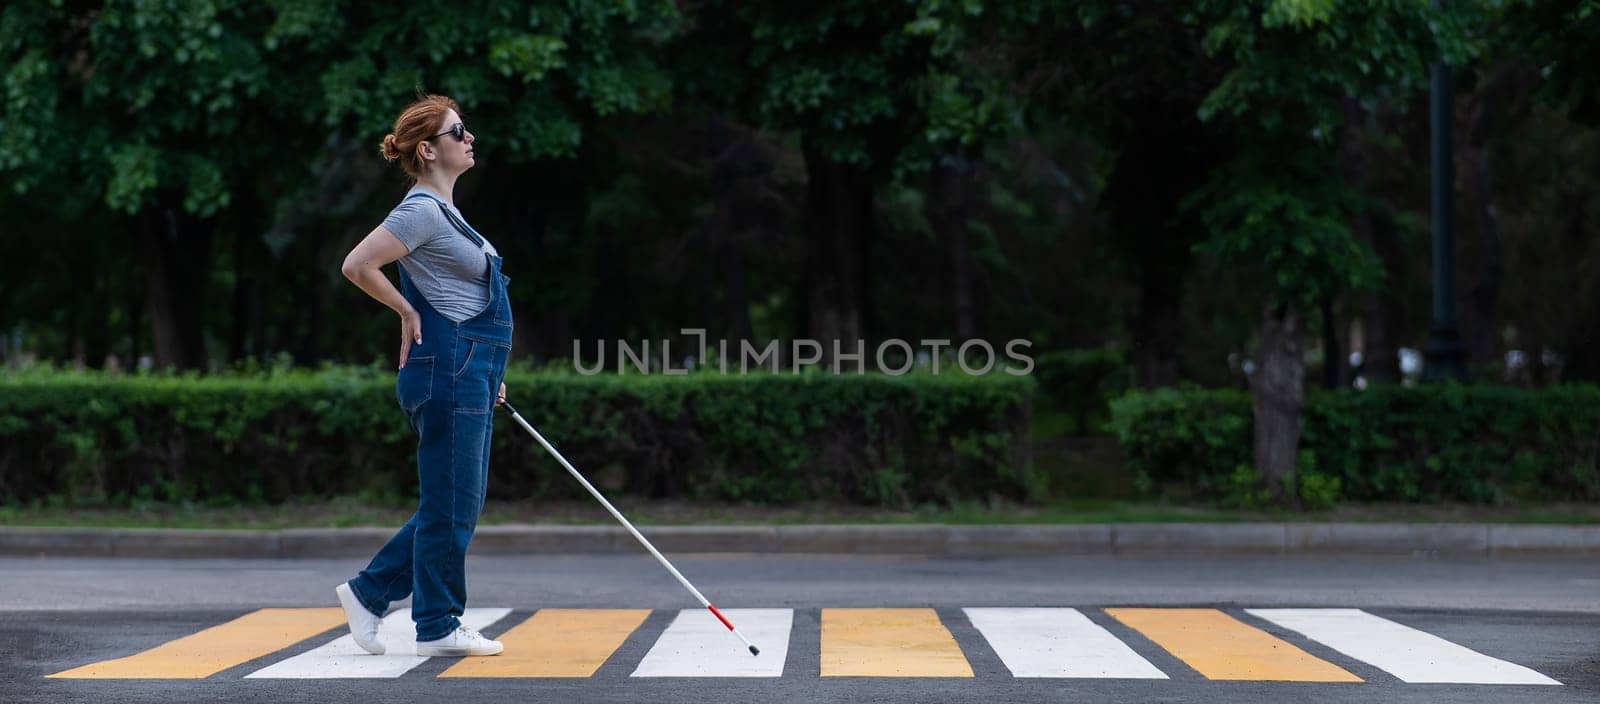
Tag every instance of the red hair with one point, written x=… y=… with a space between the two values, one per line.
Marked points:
x=416 y=123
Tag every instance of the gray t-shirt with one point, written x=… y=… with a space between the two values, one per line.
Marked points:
x=447 y=267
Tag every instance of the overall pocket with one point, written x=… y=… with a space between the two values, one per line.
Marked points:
x=413 y=385
x=502 y=306
x=476 y=383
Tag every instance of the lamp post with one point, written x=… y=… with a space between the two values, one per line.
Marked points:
x=1444 y=356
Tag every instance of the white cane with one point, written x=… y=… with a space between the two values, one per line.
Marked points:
x=625 y=524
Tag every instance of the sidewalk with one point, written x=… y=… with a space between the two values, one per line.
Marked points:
x=1427 y=539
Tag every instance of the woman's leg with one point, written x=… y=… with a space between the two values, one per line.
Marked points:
x=387 y=578
x=452 y=482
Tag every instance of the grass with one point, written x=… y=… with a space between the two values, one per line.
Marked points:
x=351 y=512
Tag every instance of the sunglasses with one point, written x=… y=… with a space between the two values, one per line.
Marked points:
x=457 y=130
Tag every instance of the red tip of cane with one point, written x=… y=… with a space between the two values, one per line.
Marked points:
x=719 y=616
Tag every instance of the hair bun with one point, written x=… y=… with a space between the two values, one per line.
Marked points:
x=388 y=149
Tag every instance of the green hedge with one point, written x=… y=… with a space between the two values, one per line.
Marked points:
x=1429 y=443
x=93 y=439
x=1082 y=383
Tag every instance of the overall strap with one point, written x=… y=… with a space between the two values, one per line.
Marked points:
x=460 y=226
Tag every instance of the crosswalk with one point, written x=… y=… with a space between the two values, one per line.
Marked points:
x=1222 y=647
x=696 y=645
x=1058 y=643
x=1407 y=653
x=1049 y=642
x=889 y=643
x=344 y=659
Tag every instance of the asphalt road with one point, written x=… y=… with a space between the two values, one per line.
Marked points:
x=1542 y=616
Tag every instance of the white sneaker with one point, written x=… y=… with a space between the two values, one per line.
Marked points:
x=463 y=641
x=363 y=625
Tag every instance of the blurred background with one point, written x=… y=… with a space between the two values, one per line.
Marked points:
x=1213 y=221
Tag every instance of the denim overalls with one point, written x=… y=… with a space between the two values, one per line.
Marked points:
x=447 y=390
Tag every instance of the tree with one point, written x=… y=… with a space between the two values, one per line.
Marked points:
x=194 y=126
x=1553 y=45
x=158 y=98
x=1277 y=210
x=868 y=87
x=537 y=82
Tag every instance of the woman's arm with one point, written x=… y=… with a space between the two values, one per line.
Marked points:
x=362 y=267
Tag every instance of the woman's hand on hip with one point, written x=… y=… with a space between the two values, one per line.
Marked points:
x=410 y=332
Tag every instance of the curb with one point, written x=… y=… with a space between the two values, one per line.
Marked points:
x=1427 y=539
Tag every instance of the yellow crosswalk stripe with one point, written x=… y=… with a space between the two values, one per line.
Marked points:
x=1221 y=647
x=556 y=643
x=215 y=649
x=889 y=643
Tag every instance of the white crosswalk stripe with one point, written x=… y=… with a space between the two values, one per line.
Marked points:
x=697 y=645
x=1047 y=642
x=342 y=658
x=1405 y=652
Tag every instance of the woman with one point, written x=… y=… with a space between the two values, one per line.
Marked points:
x=455 y=336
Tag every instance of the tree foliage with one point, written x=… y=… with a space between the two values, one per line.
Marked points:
x=1120 y=172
